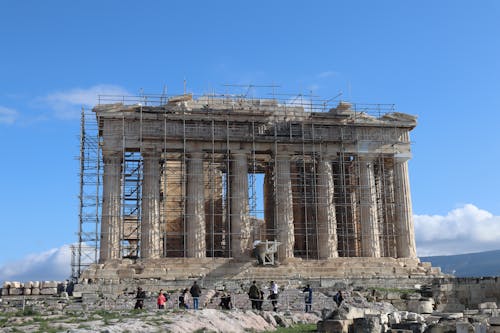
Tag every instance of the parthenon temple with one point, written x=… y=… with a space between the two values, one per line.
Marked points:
x=206 y=177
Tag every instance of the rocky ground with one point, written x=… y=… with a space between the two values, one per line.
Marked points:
x=360 y=312
x=175 y=321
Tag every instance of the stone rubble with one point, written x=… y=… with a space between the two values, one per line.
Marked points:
x=364 y=310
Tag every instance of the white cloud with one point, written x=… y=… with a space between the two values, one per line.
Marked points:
x=463 y=230
x=326 y=74
x=67 y=104
x=53 y=264
x=8 y=116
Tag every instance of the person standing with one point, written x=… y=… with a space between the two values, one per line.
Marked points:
x=338 y=298
x=183 y=299
x=225 y=301
x=308 y=297
x=195 y=292
x=274 y=295
x=140 y=296
x=160 y=301
x=261 y=300
x=254 y=295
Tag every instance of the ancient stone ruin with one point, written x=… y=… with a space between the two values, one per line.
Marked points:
x=194 y=186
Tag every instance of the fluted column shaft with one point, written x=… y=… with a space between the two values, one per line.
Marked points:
x=370 y=242
x=326 y=220
x=405 y=241
x=238 y=183
x=195 y=207
x=111 y=207
x=269 y=228
x=150 y=210
x=284 y=207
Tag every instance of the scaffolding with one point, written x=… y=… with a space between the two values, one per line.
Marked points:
x=85 y=251
x=218 y=124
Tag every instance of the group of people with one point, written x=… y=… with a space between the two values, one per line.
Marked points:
x=256 y=296
x=163 y=298
x=308 y=294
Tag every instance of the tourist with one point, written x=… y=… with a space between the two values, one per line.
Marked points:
x=225 y=301
x=273 y=295
x=338 y=298
x=261 y=300
x=140 y=296
x=308 y=297
x=183 y=299
x=195 y=292
x=254 y=295
x=160 y=301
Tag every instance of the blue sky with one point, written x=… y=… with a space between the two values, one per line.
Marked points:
x=435 y=59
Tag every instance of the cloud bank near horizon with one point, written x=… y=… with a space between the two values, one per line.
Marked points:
x=466 y=229
x=463 y=230
x=54 y=264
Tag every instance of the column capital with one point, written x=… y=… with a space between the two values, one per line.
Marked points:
x=195 y=154
x=402 y=157
x=239 y=152
x=328 y=156
x=150 y=152
x=283 y=155
x=110 y=156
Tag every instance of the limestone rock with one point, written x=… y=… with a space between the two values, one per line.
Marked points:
x=487 y=305
x=494 y=321
x=409 y=326
x=49 y=284
x=48 y=291
x=333 y=326
x=15 y=291
x=367 y=324
x=464 y=327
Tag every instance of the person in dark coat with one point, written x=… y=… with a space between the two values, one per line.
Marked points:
x=195 y=292
x=338 y=298
x=308 y=297
x=225 y=301
x=254 y=295
x=140 y=296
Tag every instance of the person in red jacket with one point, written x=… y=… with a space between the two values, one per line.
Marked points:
x=160 y=301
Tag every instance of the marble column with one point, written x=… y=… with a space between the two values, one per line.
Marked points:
x=238 y=185
x=195 y=207
x=284 y=207
x=111 y=207
x=150 y=209
x=269 y=231
x=370 y=242
x=405 y=240
x=326 y=219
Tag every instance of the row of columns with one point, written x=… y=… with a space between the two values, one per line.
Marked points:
x=238 y=205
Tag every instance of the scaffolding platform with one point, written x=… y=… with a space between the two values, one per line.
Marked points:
x=265 y=251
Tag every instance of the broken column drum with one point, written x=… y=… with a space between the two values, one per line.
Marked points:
x=324 y=184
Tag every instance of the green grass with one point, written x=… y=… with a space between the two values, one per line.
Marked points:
x=45 y=328
x=106 y=315
x=300 y=328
